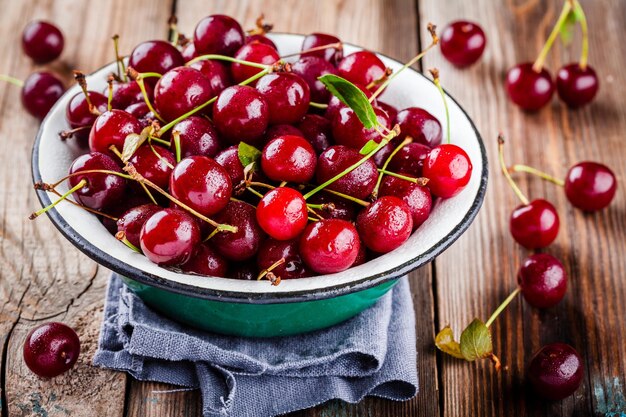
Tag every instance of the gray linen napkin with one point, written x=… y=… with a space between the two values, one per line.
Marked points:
x=371 y=354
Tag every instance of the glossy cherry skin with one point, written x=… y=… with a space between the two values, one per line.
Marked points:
x=358 y=183
x=261 y=39
x=197 y=137
x=422 y=126
x=335 y=207
x=142 y=113
x=216 y=72
x=410 y=159
x=272 y=251
x=391 y=111
x=42 y=41
x=126 y=94
x=590 y=186
x=289 y=158
x=349 y=131
x=111 y=128
x=133 y=219
x=206 y=261
x=51 y=349
x=244 y=243
x=39 y=93
x=287 y=96
x=153 y=167
x=314 y=40
x=462 y=43
x=218 y=34
x=229 y=160
x=317 y=130
x=189 y=52
x=155 y=56
x=576 y=86
x=253 y=52
x=555 y=371
x=361 y=67
x=78 y=115
x=179 y=91
x=334 y=104
x=527 y=88
x=534 y=225
x=281 y=130
x=202 y=184
x=416 y=197
x=448 y=169
x=102 y=190
x=329 y=246
x=241 y=113
x=310 y=68
x=169 y=237
x=385 y=224
x=282 y=213
x=543 y=280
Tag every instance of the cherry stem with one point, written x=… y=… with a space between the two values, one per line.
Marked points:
x=110 y=93
x=96 y=212
x=435 y=40
x=176 y=139
x=271 y=268
x=382 y=79
x=121 y=236
x=12 y=80
x=158 y=155
x=538 y=65
x=113 y=149
x=255 y=192
x=435 y=73
x=348 y=197
x=47 y=187
x=337 y=45
x=138 y=77
x=534 y=171
x=419 y=181
x=505 y=171
x=502 y=306
x=584 y=53
x=261 y=27
x=160 y=141
x=318 y=105
x=315 y=206
x=174 y=34
x=261 y=184
x=402 y=144
x=66 y=134
x=121 y=68
x=210 y=57
x=75 y=188
x=82 y=82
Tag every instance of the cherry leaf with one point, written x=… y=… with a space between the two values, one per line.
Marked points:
x=133 y=141
x=350 y=95
x=566 y=31
x=368 y=147
x=476 y=341
x=445 y=342
x=248 y=154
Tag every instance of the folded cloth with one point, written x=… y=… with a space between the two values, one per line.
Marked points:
x=371 y=354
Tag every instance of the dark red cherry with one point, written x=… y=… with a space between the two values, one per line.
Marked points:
x=272 y=251
x=241 y=113
x=555 y=371
x=102 y=190
x=590 y=186
x=155 y=56
x=281 y=130
x=315 y=40
x=154 y=164
x=42 y=41
x=527 y=88
x=261 y=39
x=361 y=67
x=253 y=52
x=218 y=34
x=416 y=197
x=287 y=96
x=391 y=111
x=244 y=243
x=202 y=184
x=383 y=153
x=534 y=225
x=229 y=160
x=78 y=115
x=206 y=261
x=577 y=86
x=289 y=158
x=329 y=246
x=448 y=169
x=410 y=159
x=126 y=94
x=189 y=52
x=358 y=183
x=385 y=224
x=361 y=258
x=349 y=131
x=246 y=271
x=39 y=93
x=133 y=219
x=111 y=128
x=179 y=91
x=462 y=43
x=197 y=137
x=142 y=113
x=335 y=207
x=169 y=237
x=282 y=213
x=216 y=72
x=51 y=349
x=422 y=126
x=317 y=130
x=543 y=280
x=310 y=68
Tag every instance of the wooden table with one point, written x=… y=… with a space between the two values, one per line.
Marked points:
x=43 y=278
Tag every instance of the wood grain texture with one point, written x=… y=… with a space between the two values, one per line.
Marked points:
x=477 y=273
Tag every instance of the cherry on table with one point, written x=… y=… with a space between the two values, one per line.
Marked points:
x=542 y=280
x=590 y=186
x=252 y=52
x=42 y=41
x=39 y=93
x=197 y=136
x=385 y=224
x=133 y=219
x=218 y=34
x=111 y=128
x=577 y=86
x=349 y=131
x=359 y=182
x=206 y=261
x=448 y=169
x=315 y=40
x=51 y=349
x=462 y=43
x=272 y=251
x=419 y=124
x=101 y=190
x=282 y=213
x=329 y=246
x=169 y=237
x=556 y=371
x=362 y=67
x=243 y=244
x=289 y=158
x=534 y=225
x=179 y=91
x=310 y=68
x=241 y=113
x=529 y=89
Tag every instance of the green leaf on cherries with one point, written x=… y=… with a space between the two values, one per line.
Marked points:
x=133 y=141
x=368 y=147
x=445 y=342
x=248 y=154
x=567 y=29
x=350 y=95
x=476 y=341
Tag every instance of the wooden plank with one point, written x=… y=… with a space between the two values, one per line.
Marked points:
x=479 y=271
x=389 y=27
x=42 y=277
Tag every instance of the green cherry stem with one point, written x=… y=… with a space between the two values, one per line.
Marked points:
x=227 y=58
x=48 y=187
x=75 y=188
x=12 y=80
x=402 y=144
x=336 y=45
x=255 y=192
x=158 y=155
x=82 y=83
x=534 y=171
x=121 y=68
x=109 y=93
x=138 y=77
x=538 y=64
x=502 y=306
x=176 y=139
x=318 y=105
x=435 y=74
x=96 y=212
x=420 y=181
x=505 y=171
x=584 y=53
x=121 y=236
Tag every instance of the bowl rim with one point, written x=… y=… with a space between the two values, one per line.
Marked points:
x=127 y=270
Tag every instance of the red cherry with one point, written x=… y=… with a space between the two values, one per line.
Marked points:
x=244 y=243
x=281 y=130
x=289 y=158
x=206 y=261
x=349 y=131
x=317 y=130
x=335 y=207
x=543 y=280
x=576 y=86
x=42 y=41
x=361 y=67
x=218 y=34
x=416 y=197
x=229 y=160
x=422 y=126
x=111 y=128
x=189 y=52
x=51 y=349
x=282 y=213
x=197 y=137
x=315 y=40
x=555 y=371
x=448 y=169
x=329 y=246
x=391 y=111
x=590 y=186
x=272 y=251
x=410 y=159
x=529 y=89
x=216 y=72
x=39 y=93
x=257 y=37
x=358 y=183
x=462 y=43
x=179 y=91
x=101 y=190
x=126 y=94
x=133 y=219
x=287 y=96
x=155 y=56
x=334 y=104
x=241 y=114
x=169 y=237
x=253 y=52
x=310 y=68
x=78 y=115
x=154 y=164
x=534 y=225
x=385 y=224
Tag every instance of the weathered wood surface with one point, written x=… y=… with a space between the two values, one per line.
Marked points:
x=42 y=277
